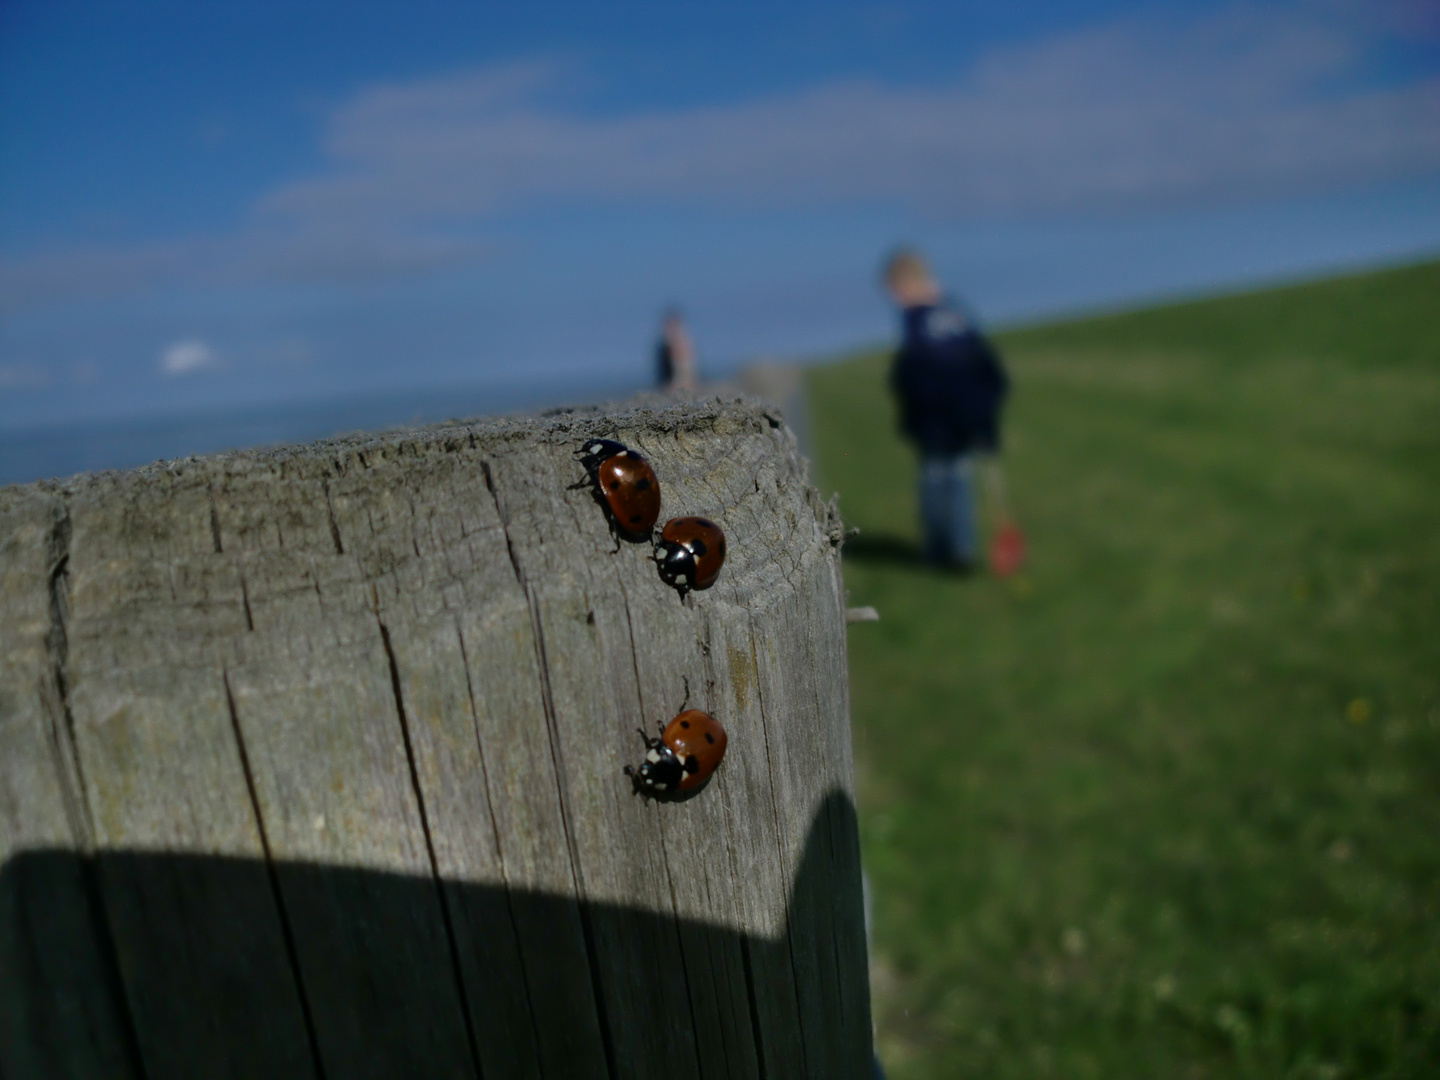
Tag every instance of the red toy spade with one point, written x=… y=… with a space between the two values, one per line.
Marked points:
x=1007 y=549
x=1007 y=545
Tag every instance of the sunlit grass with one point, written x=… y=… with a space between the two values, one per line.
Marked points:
x=1167 y=804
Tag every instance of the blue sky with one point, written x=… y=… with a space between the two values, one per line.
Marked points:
x=206 y=204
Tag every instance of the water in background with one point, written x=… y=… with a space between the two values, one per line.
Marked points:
x=37 y=453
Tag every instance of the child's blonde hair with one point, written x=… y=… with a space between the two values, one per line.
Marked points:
x=905 y=264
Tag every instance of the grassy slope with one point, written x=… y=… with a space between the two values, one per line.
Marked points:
x=1169 y=804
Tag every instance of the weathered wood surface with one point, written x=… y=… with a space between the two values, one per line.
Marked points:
x=310 y=765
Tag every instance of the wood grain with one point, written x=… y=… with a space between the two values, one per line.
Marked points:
x=312 y=758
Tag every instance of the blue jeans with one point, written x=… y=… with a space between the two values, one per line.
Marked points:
x=947 y=508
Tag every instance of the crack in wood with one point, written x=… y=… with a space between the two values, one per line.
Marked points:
x=504 y=524
x=445 y=912
x=756 y=1030
x=215 y=524
x=547 y=700
x=245 y=596
x=587 y=929
x=835 y=947
x=334 y=524
x=665 y=848
x=779 y=850
x=57 y=648
x=836 y=614
x=499 y=847
x=287 y=932
x=414 y=526
x=684 y=966
x=70 y=775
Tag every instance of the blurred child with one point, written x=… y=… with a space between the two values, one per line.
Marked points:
x=675 y=355
x=951 y=386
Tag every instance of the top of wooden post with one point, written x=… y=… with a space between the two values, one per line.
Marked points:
x=340 y=731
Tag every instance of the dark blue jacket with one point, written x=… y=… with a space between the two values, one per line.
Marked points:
x=949 y=381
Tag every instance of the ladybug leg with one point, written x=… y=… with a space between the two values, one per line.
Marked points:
x=590 y=484
x=650 y=744
x=684 y=704
x=590 y=479
x=637 y=786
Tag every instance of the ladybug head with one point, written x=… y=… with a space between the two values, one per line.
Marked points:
x=660 y=773
x=594 y=451
x=677 y=563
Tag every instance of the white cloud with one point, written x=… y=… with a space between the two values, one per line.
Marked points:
x=1253 y=102
x=188 y=357
x=1244 y=104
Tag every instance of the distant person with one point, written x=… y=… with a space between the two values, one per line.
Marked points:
x=950 y=385
x=675 y=355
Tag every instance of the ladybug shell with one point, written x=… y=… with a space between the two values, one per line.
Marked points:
x=704 y=540
x=698 y=735
x=631 y=491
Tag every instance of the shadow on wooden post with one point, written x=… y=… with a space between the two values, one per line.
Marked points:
x=64 y=1017
x=311 y=765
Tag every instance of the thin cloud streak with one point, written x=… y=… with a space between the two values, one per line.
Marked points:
x=348 y=256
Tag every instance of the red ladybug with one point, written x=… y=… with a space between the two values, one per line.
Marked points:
x=691 y=552
x=625 y=484
x=689 y=749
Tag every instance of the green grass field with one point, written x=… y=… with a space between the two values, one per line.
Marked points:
x=1168 y=804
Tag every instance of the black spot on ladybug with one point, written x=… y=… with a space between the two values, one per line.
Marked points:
x=698 y=548
x=643 y=484
x=685 y=723
x=708 y=737
x=706 y=523
x=634 y=519
x=614 y=484
x=692 y=764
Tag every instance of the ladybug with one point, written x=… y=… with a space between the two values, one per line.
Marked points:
x=691 y=552
x=689 y=749
x=625 y=485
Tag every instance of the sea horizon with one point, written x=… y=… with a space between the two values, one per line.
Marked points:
x=60 y=450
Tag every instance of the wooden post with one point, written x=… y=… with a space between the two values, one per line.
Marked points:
x=311 y=765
